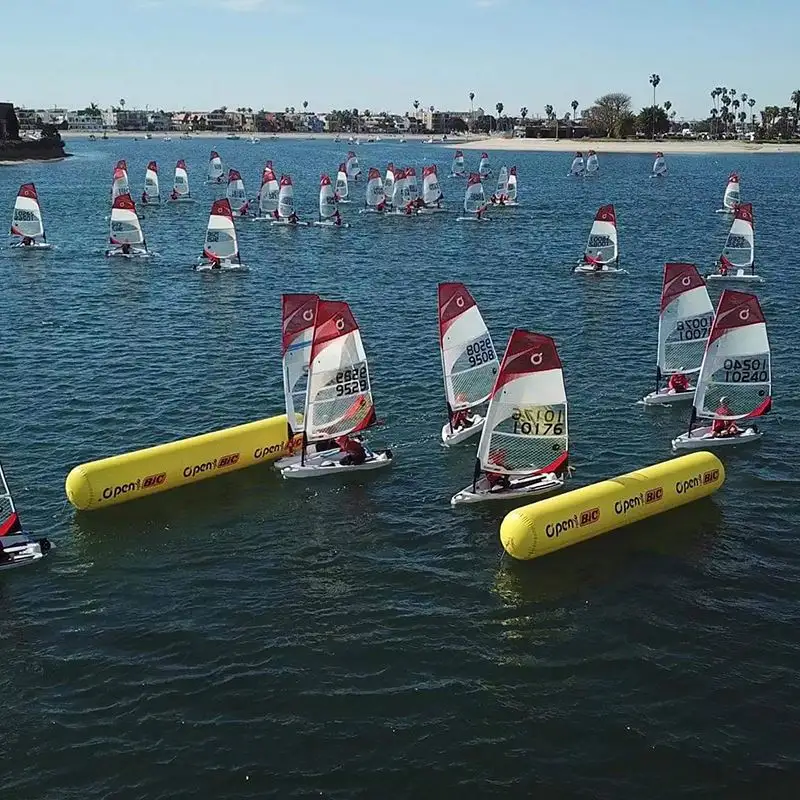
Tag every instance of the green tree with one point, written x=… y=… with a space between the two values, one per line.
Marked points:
x=654 y=119
x=574 y=105
x=654 y=81
x=499 y=107
x=611 y=116
x=523 y=112
x=796 y=101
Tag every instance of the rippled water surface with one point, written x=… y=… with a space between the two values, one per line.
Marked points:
x=248 y=637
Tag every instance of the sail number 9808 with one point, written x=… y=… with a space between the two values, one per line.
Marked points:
x=352 y=381
x=538 y=421
x=480 y=352
x=746 y=370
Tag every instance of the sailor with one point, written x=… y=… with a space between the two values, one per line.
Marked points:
x=126 y=249
x=144 y=198
x=497 y=480
x=480 y=212
x=216 y=263
x=27 y=241
x=461 y=420
x=243 y=211
x=337 y=217
x=678 y=383
x=173 y=194
x=723 y=265
x=723 y=427
x=381 y=206
x=354 y=452
x=293 y=218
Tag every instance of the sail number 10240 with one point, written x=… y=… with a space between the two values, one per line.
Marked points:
x=746 y=370
x=352 y=381
x=539 y=421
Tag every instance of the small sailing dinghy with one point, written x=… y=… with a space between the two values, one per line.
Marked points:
x=342 y=187
x=592 y=164
x=388 y=181
x=215 y=169
x=484 y=168
x=474 y=200
x=401 y=195
x=376 y=195
x=412 y=186
x=17 y=548
x=469 y=362
x=500 y=195
x=27 y=224
x=738 y=255
x=268 y=196
x=601 y=254
x=513 y=188
x=221 y=248
x=151 y=196
x=578 y=168
x=524 y=444
x=119 y=183
x=735 y=382
x=684 y=324
x=180 y=186
x=339 y=397
x=352 y=168
x=431 y=191
x=457 y=170
x=236 y=194
x=126 y=235
x=286 y=213
x=732 y=196
x=329 y=216
x=659 y=166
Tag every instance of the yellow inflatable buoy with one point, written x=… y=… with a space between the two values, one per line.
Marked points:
x=541 y=528
x=129 y=476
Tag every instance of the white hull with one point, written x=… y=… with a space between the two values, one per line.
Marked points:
x=134 y=253
x=19 y=550
x=311 y=458
x=725 y=210
x=264 y=219
x=34 y=246
x=666 y=396
x=432 y=210
x=186 y=199
x=701 y=439
x=286 y=224
x=327 y=224
x=606 y=269
x=472 y=219
x=225 y=266
x=344 y=201
x=520 y=487
x=740 y=276
x=377 y=460
x=371 y=210
x=449 y=436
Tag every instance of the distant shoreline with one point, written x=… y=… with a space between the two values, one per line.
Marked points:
x=266 y=137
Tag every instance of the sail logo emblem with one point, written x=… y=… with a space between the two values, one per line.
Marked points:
x=308 y=315
x=340 y=324
x=710 y=476
x=653 y=495
x=460 y=302
x=536 y=359
x=590 y=516
x=687 y=281
x=744 y=314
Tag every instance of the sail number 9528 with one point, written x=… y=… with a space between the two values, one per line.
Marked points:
x=746 y=370
x=480 y=352
x=351 y=381
x=538 y=421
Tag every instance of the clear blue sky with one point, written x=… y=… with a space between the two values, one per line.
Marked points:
x=382 y=54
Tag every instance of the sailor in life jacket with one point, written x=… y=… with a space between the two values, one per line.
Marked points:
x=354 y=452
x=723 y=427
x=460 y=420
x=678 y=383
x=498 y=480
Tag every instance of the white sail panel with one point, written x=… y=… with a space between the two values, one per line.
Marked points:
x=342 y=187
x=327 y=198
x=236 y=194
x=659 y=165
x=388 y=181
x=375 y=192
x=512 y=185
x=299 y=312
x=152 y=192
x=484 y=169
x=215 y=169
x=502 y=182
x=474 y=197
x=739 y=250
x=411 y=184
x=286 y=197
x=119 y=184
x=431 y=190
x=125 y=227
x=602 y=246
x=26 y=219
x=221 y=240
x=578 y=167
x=592 y=164
x=458 y=163
x=352 y=167
x=270 y=191
x=732 y=195
x=181 y=183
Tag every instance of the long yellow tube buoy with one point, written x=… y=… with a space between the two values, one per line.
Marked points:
x=129 y=476
x=541 y=528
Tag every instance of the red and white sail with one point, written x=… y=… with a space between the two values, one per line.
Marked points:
x=215 y=169
x=298 y=313
x=327 y=198
x=236 y=194
x=526 y=423
x=732 y=196
x=592 y=164
x=388 y=181
x=431 y=189
x=502 y=182
x=221 y=242
x=474 y=197
x=411 y=184
x=458 y=163
x=739 y=250
x=342 y=188
x=151 y=188
x=352 y=167
x=659 y=165
x=400 y=193
x=9 y=518
x=269 y=193
x=737 y=362
x=119 y=183
x=484 y=169
x=602 y=246
x=513 y=188
x=26 y=219
x=578 y=167
x=375 y=191
x=469 y=360
x=180 y=183
x=125 y=227
x=684 y=322
x=339 y=399
x=286 y=197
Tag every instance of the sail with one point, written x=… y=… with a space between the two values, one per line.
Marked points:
x=351 y=166
x=400 y=195
x=388 y=181
x=659 y=165
x=458 y=163
x=327 y=198
x=298 y=313
x=119 y=184
x=739 y=250
x=732 y=194
x=235 y=192
x=26 y=220
x=9 y=518
x=431 y=191
x=484 y=170
x=215 y=170
x=474 y=198
x=412 y=187
x=526 y=423
x=592 y=164
x=602 y=246
x=181 y=183
x=125 y=227
x=151 y=188
x=684 y=322
x=502 y=182
x=221 y=233
x=577 y=167
x=268 y=195
x=286 y=198
x=375 y=192
x=512 y=184
x=737 y=363
x=469 y=360
x=339 y=399
x=342 y=188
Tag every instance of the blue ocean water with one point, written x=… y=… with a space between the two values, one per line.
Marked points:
x=251 y=637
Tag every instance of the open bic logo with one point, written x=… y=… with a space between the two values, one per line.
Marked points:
x=590 y=516
x=653 y=495
x=154 y=480
x=710 y=477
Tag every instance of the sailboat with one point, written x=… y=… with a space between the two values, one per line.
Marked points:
x=26 y=220
x=126 y=236
x=221 y=247
x=329 y=216
x=286 y=212
x=738 y=255
x=601 y=254
x=119 y=183
x=215 y=168
x=513 y=189
x=484 y=170
x=524 y=443
x=735 y=382
x=578 y=168
x=236 y=194
x=376 y=196
x=474 y=200
x=469 y=362
x=180 y=186
x=339 y=395
x=592 y=164
x=684 y=324
x=501 y=191
x=732 y=196
x=268 y=196
x=388 y=181
x=351 y=167
x=17 y=548
x=659 y=166
x=151 y=196
x=457 y=170
x=411 y=184
x=401 y=196
x=431 y=191
x=342 y=189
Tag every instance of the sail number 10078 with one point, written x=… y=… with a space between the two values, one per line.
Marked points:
x=539 y=421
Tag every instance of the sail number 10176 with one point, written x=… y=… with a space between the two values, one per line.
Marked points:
x=539 y=421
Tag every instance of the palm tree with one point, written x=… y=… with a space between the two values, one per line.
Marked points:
x=574 y=105
x=305 y=108
x=548 y=110
x=796 y=100
x=523 y=112
x=122 y=104
x=654 y=81
x=735 y=104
